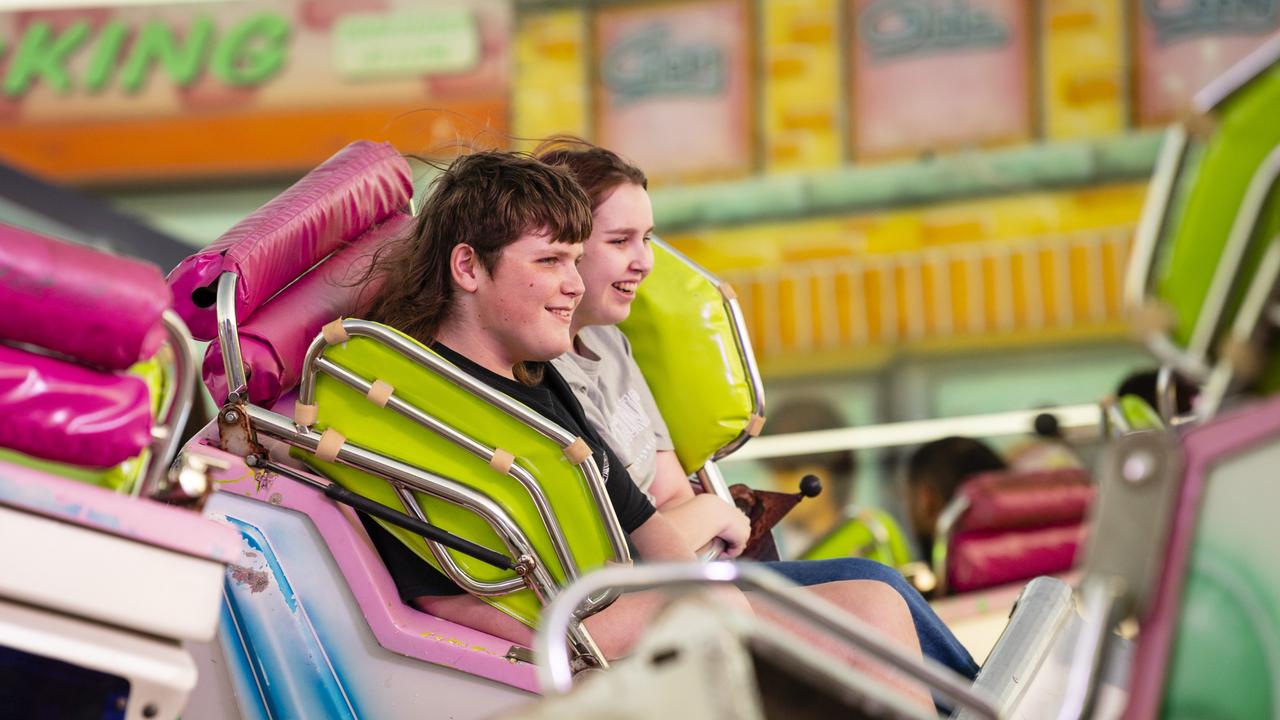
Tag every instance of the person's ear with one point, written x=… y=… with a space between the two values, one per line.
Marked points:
x=931 y=499
x=464 y=267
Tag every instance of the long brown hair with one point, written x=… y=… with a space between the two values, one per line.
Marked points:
x=487 y=200
x=598 y=170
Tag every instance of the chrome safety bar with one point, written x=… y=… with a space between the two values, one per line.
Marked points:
x=176 y=408
x=402 y=475
x=1248 y=320
x=1155 y=215
x=555 y=674
x=312 y=365
x=229 y=338
x=558 y=541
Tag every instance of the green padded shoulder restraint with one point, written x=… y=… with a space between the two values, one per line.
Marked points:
x=1208 y=196
x=387 y=432
x=1139 y=413
x=685 y=342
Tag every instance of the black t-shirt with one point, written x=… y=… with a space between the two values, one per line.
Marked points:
x=554 y=400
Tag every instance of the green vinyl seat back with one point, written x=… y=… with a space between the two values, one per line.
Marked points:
x=865 y=532
x=696 y=359
x=1209 y=190
x=124 y=477
x=389 y=433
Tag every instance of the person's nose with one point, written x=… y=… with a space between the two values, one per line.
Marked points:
x=642 y=260
x=572 y=284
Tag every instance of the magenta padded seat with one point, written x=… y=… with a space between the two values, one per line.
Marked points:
x=274 y=341
x=101 y=309
x=57 y=410
x=1017 y=526
x=359 y=186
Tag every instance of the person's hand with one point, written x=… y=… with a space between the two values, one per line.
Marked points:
x=735 y=532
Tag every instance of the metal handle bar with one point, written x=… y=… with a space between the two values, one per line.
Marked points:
x=556 y=676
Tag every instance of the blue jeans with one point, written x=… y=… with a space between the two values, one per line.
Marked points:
x=936 y=640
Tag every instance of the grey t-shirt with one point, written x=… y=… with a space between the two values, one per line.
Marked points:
x=617 y=401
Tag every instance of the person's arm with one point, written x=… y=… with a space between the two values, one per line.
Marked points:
x=670 y=486
x=617 y=628
x=699 y=519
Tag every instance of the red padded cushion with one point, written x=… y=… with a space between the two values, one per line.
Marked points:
x=985 y=558
x=1006 y=500
x=1018 y=526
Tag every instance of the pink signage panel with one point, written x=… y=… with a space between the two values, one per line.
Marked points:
x=1179 y=47
x=672 y=87
x=929 y=75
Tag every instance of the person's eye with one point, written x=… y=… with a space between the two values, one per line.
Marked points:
x=548 y=260
x=578 y=260
x=618 y=241
x=648 y=239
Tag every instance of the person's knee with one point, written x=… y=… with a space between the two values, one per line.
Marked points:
x=864 y=569
x=870 y=600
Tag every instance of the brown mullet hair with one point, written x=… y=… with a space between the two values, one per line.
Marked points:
x=487 y=200
x=598 y=170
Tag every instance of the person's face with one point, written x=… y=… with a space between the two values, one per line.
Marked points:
x=618 y=256
x=525 y=307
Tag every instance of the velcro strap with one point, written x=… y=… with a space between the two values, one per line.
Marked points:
x=334 y=333
x=330 y=443
x=577 y=451
x=501 y=460
x=1246 y=360
x=305 y=415
x=379 y=393
x=755 y=425
x=1149 y=318
x=728 y=292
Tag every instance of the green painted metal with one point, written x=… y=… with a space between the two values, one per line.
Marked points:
x=1139 y=413
x=868 y=533
x=1043 y=166
x=1209 y=193
x=683 y=340
x=386 y=432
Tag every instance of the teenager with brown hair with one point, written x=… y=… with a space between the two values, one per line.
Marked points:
x=490 y=281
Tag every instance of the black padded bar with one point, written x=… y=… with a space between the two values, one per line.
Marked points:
x=337 y=493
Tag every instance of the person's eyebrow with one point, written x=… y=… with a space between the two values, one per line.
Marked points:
x=626 y=229
x=563 y=250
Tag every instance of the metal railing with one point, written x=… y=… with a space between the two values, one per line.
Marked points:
x=963 y=290
x=1084 y=420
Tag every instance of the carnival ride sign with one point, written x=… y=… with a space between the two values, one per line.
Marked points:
x=1181 y=46
x=909 y=59
x=673 y=87
x=234 y=88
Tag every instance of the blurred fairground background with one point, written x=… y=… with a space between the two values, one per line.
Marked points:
x=926 y=206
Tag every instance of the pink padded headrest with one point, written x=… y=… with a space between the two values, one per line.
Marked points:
x=359 y=186
x=1005 y=500
x=274 y=342
x=101 y=309
x=58 y=410
x=986 y=558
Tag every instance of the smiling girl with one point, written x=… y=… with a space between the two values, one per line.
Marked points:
x=617 y=401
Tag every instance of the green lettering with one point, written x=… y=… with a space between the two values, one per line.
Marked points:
x=253 y=51
x=156 y=41
x=103 y=62
x=37 y=56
